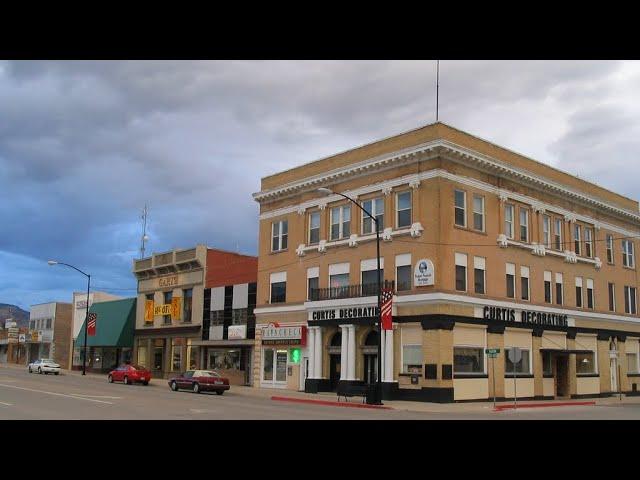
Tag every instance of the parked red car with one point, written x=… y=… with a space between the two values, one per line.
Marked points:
x=199 y=381
x=130 y=374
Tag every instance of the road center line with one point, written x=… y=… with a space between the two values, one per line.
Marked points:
x=57 y=394
x=95 y=396
x=7 y=404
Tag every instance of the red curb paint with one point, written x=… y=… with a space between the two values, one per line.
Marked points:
x=331 y=404
x=542 y=405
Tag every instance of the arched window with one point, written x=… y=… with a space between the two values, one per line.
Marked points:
x=372 y=338
x=336 y=340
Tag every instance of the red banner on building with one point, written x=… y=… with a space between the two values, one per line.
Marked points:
x=91 y=324
x=385 y=309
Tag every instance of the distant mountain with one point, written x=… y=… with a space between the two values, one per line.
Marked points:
x=21 y=317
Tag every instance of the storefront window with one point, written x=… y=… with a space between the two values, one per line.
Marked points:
x=224 y=359
x=193 y=354
x=176 y=354
x=412 y=359
x=546 y=363
x=158 y=354
x=109 y=358
x=468 y=360
x=268 y=364
x=216 y=318
x=523 y=366
x=632 y=362
x=585 y=363
x=96 y=357
x=142 y=353
x=281 y=366
x=125 y=355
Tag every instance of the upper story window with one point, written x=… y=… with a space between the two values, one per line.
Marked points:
x=576 y=238
x=588 y=242
x=511 y=280
x=557 y=234
x=187 y=306
x=278 y=284
x=546 y=231
x=48 y=326
x=578 y=291
x=630 y=300
x=627 y=253
x=547 y=287
x=609 y=248
x=340 y=222
x=508 y=220
x=559 y=291
x=168 y=296
x=479 y=275
x=375 y=207
x=478 y=212
x=279 y=234
x=461 y=272
x=314 y=227
x=524 y=283
x=403 y=202
x=403 y=272
x=460 y=208
x=313 y=282
x=524 y=225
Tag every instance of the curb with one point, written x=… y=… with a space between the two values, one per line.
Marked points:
x=541 y=405
x=329 y=403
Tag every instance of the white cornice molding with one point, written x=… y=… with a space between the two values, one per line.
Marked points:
x=454 y=152
x=440 y=173
x=279 y=309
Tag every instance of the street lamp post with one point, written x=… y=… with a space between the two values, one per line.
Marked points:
x=86 y=318
x=378 y=396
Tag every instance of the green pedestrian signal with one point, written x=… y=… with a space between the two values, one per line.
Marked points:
x=294 y=355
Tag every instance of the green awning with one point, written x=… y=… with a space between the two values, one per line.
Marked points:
x=114 y=325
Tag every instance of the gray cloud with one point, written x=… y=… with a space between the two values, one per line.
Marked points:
x=84 y=144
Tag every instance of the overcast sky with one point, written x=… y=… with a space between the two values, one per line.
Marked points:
x=83 y=145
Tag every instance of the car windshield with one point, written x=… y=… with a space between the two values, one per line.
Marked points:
x=208 y=373
x=47 y=360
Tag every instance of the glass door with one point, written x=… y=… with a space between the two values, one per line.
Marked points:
x=274 y=367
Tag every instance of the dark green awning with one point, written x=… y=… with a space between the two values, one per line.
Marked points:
x=114 y=325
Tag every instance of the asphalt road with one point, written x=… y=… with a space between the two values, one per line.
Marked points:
x=25 y=396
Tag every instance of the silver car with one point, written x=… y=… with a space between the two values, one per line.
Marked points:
x=44 y=365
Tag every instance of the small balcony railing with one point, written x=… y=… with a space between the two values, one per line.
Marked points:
x=349 y=291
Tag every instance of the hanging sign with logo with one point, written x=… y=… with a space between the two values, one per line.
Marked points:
x=162 y=309
x=423 y=274
x=176 y=308
x=21 y=338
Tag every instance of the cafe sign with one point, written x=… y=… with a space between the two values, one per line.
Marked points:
x=423 y=273
x=276 y=335
x=171 y=281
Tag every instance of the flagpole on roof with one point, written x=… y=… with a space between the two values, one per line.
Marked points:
x=437 y=87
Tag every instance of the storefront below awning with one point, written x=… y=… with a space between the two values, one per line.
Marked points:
x=564 y=351
x=115 y=324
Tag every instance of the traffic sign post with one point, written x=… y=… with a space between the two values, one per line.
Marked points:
x=492 y=353
x=515 y=355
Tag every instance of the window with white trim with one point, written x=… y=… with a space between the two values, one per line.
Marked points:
x=547 y=287
x=411 y=358
x=612 y=297
x=627 y=254
x=585 y=363
x=559 y=291
x=557 y=235
x=546 y=230
x=524 y=225
x=588 y=242
x=508 y=220
x=279 y=235
x=403 y=209
x=468 y=359
x=479 y=275
x=630 y=300
x=403 y=272
x=313 y=283
x=460 y=208
x=375 y=207
x=511 y=280
x=340 y=222
x=524 y=283
x=576 y=238
x=278 y=287
x=461 y=272
x=578 y=291
x=478 y=213
x=590 y=296
x=314 y=228
x=609 y=248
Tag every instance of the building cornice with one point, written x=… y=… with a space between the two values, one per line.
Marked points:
x=453 y=152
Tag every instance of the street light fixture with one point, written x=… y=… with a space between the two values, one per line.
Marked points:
x=86 y=319
x=378 y=397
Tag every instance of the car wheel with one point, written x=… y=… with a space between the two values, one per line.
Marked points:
x=196 y=388
x=220 y=392
x=174 y=386
x=56 y=373
x=110 y=379
x=40 y=370
x=145 y=383
x=126 y=381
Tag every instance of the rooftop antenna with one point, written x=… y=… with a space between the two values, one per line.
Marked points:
x=144 y=230
x=437 y=86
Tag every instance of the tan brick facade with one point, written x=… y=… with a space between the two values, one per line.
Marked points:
x=431 y=164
